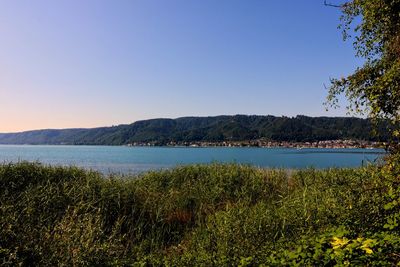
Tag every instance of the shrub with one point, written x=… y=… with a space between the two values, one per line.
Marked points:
x=200 y=215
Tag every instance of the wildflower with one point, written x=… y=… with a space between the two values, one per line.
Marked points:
x=366 y=246
x=339 y=242
x=367 y=250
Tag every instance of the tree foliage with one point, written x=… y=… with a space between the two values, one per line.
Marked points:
x=374 y=88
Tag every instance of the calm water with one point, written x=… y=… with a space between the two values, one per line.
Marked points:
x=137 y=159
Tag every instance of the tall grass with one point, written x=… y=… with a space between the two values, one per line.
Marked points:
x=194 y=215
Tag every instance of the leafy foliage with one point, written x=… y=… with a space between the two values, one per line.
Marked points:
x=373 y=88
x=200 y=215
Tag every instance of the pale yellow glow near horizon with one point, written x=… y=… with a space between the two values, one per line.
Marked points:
x=20 y=114
x=23 y=125
x=24 y=121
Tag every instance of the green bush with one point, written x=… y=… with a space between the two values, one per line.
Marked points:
x=199 y=215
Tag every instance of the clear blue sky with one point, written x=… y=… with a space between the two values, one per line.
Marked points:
x=81 y=63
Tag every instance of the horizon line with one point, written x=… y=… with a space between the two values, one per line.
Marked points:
x=175 y=118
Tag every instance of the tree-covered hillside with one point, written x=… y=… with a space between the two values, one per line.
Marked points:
x=213 y=129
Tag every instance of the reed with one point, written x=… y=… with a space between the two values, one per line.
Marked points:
x=217 y=214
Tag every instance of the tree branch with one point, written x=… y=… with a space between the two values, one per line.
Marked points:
x=332 y=5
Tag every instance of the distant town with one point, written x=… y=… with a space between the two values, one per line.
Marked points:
x=271 y=144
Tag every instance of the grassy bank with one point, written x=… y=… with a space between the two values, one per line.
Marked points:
x=199 y=215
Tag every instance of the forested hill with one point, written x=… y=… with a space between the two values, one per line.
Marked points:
x=213 y=129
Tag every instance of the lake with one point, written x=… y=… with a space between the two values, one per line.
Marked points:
x=120 y=159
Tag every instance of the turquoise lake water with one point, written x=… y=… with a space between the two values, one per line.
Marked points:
x=119 y=159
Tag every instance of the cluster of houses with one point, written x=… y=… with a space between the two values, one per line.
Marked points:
x=270 y=144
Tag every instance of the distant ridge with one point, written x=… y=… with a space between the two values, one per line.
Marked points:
x=208 y=129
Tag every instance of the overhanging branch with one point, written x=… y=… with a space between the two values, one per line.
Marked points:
x=332 y=5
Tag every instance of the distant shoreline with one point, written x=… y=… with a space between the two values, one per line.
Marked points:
x=328 y=144
x=331 y=144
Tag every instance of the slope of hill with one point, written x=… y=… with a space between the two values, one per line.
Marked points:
x=213 y=129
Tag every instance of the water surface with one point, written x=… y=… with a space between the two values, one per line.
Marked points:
x=120 y=159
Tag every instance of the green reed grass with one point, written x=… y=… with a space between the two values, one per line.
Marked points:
x=218 y=214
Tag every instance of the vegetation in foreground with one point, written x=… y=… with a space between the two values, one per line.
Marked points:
x=201 y=215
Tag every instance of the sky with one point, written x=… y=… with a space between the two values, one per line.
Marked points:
x=88 y=63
